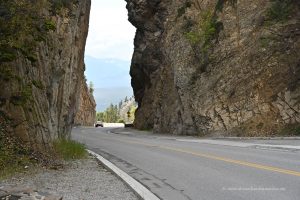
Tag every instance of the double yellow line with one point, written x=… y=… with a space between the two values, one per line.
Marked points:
x=238 y=162
x=214 y=157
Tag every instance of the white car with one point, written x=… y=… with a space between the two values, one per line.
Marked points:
x=99 y=123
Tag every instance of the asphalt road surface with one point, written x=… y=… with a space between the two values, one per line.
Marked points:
x=176 y=168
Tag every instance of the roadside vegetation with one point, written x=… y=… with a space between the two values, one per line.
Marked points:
x=69 y=149
x=14 y=157
x=17 y=157
x=123 y=112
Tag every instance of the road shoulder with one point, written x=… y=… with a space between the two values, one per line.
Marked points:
x=80 y=179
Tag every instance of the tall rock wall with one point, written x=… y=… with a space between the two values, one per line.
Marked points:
x=86 y=114
x=42 y=49
x=227 y=66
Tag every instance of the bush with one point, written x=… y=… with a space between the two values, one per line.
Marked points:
x=69 y=149
x=50 y=25
x=202 y=39
x=279 y=10
x=207 y=31
x=193 y=37
x=21 y=28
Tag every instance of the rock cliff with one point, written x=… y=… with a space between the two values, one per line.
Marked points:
x=86 y=114
x=127 y=109
x=42 y=48
x=224 y=66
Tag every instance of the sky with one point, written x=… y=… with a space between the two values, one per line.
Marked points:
x=108 y=52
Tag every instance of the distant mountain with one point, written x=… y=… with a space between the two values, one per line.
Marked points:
x=111 y=80
x=105 y=96
x=107 y=73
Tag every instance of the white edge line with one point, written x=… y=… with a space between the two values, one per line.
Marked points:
x=141 y=190
x=238 y=144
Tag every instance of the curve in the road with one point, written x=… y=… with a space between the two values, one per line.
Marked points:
x=214 y=157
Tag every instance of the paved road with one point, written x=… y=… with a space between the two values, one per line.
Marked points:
x=176 y=168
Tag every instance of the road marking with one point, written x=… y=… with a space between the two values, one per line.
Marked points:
x=239 y=162
x=214 y=157
x=141 y=190
x=240 y=144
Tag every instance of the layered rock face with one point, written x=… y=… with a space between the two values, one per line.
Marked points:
x=227 y=66
x=86 y=114
x=42 y=66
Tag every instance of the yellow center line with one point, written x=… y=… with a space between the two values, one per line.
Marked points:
x=214 y=157
x=239 y=162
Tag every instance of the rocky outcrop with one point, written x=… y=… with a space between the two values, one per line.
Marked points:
x=229 y=66
x=127 y=109
x=42 y=66
x=86 y=114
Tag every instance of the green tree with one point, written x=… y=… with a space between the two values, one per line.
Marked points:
x=120 y=104
x=111 y=114
x=91 y=88
x=100 y=116
x=132 y=113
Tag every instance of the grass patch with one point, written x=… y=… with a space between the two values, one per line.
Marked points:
x=202 y=39
x=50 y=25
x=69 y=149
x=14 y=157
x=208 y=29
x=12 y=164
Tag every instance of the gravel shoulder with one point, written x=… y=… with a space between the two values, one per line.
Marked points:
x=78 y=180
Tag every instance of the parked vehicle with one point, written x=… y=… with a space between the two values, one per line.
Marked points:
x=99 y=123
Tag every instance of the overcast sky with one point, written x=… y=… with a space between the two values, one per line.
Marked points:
x=110 y=34
x=108 y=52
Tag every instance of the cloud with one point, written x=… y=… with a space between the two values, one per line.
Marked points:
x=110 y=33
x=108 y=52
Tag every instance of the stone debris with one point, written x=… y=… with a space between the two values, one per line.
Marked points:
x=24 y=193
x=78 y=180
